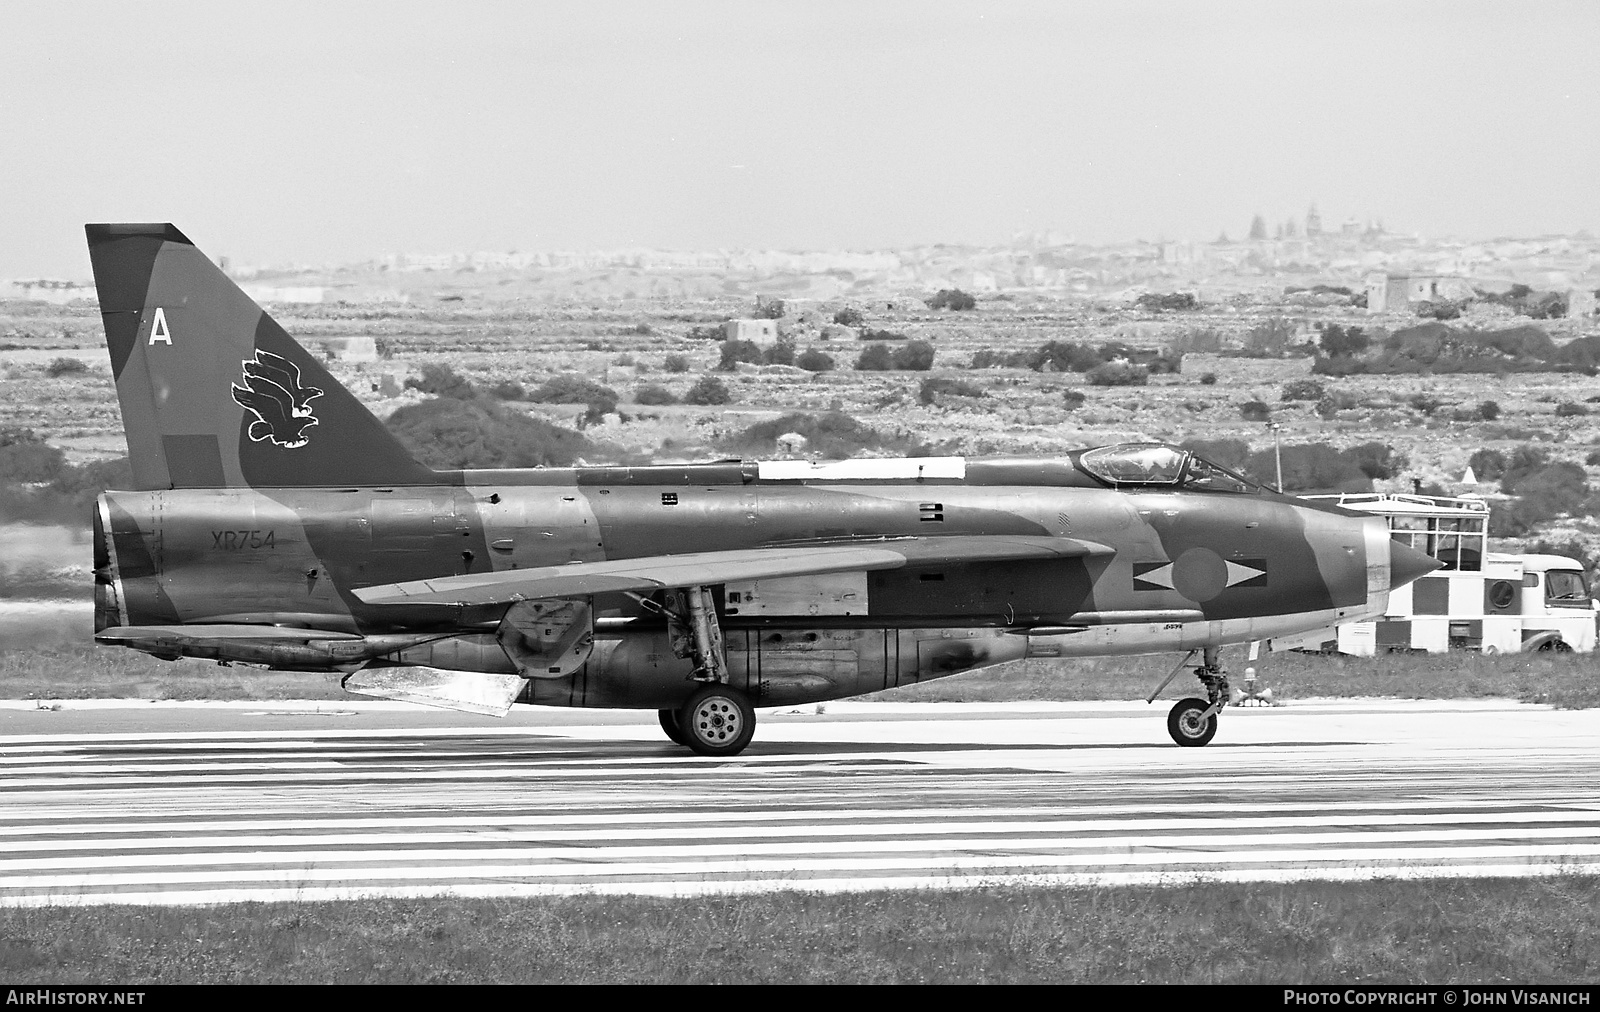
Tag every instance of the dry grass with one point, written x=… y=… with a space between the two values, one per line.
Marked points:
x=1457 y=931
x=60 y=671
x=1564 y=680
x=91 y=672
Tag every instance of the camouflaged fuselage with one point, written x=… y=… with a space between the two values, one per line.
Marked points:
x=1188 y=568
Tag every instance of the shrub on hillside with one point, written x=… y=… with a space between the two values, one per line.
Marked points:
x=849 y=316
x=780 y=353
x=570 y=388
x=1343 y=342
x=1570 y=409
x=1255 y=411
x=1444 y=309
x=508 y=390
x=1064 y=356
x=875 y=358
x=1208 y=379
x=1270 y=338
x=1377 y=460
x=654 y=393
x=440 y=380
x=65 y=366
x=813 y=360
x=988 y=358
x=734 y=352
x=1487 y=465
x=1171 y=301
x=26 y=458
x=1488 y=411
x=1303 y=390
x=1120 y=373
x=675 y=363
x=914 y=356
x=952 y=298
x=1544 y=489
x=451 y=433
x=1424 y=404
x=769 y=309
x=1072 y=400
x=708 y=390
x=934 y=388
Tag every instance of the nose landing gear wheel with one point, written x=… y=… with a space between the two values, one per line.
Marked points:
x=717 y=721
x=1188 y=725
x=669 y=724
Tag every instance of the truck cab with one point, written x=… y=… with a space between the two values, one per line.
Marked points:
x=1558 y=612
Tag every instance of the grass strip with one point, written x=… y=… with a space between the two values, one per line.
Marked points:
x=1562 y=680
x=1387 y=931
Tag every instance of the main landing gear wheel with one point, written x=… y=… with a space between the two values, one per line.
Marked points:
x=717 y=721
x=669 y=724
x=1188 y=724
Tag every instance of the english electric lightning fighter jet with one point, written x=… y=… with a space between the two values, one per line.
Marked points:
x=277 y=522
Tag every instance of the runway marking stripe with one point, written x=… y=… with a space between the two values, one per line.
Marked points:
x=1353 y=809
x=1064 y=847
x=491 y=829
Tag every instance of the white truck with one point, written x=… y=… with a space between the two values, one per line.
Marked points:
x=1480 y=600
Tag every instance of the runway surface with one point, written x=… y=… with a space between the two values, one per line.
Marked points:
x=202 y=803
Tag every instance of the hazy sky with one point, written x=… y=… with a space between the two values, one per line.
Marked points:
x=331 y=131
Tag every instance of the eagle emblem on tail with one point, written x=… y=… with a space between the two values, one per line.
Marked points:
x=273 y=393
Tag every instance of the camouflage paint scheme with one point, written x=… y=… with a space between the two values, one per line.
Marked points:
x=277 y=522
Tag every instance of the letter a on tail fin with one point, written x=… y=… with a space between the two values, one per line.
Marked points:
x=214 y=393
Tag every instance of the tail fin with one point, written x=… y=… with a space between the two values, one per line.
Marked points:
x=214 y=393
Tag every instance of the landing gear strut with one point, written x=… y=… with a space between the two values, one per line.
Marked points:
x=717 y=720
x=1193 y=722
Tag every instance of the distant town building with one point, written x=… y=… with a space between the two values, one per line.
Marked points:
x=1313 y=223
x=305 y=294
x=759 y=331
x=46 y=290
x=1397 y=293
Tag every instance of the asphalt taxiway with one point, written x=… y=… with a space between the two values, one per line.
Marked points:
x=128 y=802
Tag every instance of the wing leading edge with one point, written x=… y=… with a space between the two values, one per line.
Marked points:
x=656 y=572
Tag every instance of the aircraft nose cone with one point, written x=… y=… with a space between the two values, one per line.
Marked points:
x=1406 y=564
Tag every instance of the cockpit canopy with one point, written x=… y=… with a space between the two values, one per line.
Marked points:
x=1157 y=465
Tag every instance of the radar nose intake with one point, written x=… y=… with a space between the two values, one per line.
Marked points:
x=1407 y=564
